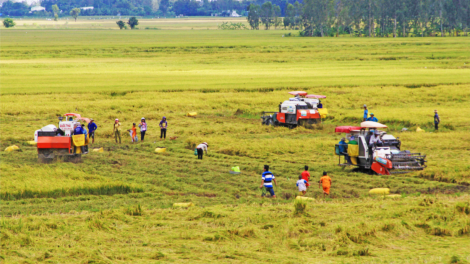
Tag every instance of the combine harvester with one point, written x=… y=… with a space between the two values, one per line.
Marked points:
x=384 y=159
x=301 y=110
x=55 y=142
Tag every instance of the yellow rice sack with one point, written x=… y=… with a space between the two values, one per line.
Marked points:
x=160 y=150
x=32 y=143
x=79 y=140
x=98 y=150
x=323 y=112
x=381 y=191
x=12 y=148
x=192 y=114
x=304 y=198
x=183 y=204
x=418 y=129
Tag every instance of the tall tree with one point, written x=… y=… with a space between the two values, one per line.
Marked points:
x=289 y=19
x=253 y=16
x=277 y=13
x=267 y=14
x=75 y=12
x=55 y=10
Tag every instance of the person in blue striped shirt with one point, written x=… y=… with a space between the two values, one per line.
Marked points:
x=267 y=179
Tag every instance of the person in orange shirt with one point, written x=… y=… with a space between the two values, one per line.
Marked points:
x=133 y=133
x=325 y=182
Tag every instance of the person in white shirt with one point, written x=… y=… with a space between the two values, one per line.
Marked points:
x=375 y=139
x=302 y=184
x=200 y=149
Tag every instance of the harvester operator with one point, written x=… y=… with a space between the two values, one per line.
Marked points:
x=375 y=139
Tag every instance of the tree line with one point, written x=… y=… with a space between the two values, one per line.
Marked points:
x=372 y=18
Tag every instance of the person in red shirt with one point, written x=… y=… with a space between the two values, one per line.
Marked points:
x=306 y=175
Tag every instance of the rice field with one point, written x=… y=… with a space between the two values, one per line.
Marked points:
x=116 y=206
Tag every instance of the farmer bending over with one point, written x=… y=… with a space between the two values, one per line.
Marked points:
x=200 y=149
x=267 y=179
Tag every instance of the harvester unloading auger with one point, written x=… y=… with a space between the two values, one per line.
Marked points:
x=384 y=158
x=55 y=142
x=302 y=110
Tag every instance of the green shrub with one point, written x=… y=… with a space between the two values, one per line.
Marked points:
x=299 y=207
x=462 y=208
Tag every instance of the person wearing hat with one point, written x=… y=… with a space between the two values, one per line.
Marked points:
x=143 y=128
x=200 y=149
x=366 y=112
x=117 y=130
x=267 y=179
x=437 y=120
x=92 y=127
x=375 y=139
x=163 y=126
x=372 y=118
x=319 y=105
x=343 y=149
x=342 y=143
x=77 y=130
x=352 y=140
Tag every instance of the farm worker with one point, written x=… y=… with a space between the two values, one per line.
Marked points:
x=78 y=131
x=267 y=179
x=365 y=113
x=342 y=143
x=163 y=126
x=372 y=118
x=143 y=128
x=117 y=130
x=437 y=120
x=352 y=141
x=302 y=184
x=343 y=149
x=92 y=127
x=84 y=130
x=200 y=149
x=319 y=105
x=133 y=133
x=325 y=182
x=306 y=175
x=375 y=139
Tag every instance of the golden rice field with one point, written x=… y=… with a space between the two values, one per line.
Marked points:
x=116 y=206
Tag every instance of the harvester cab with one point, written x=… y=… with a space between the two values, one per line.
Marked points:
x=384 y=157
x=53 y=141
x=296 y=111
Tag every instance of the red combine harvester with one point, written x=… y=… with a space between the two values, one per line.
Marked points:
x=302 y=110
x=383 y=158
x=53 y=142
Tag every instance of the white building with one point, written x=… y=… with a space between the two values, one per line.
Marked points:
x=87 y=8
x=37 y=9
x=234 y=14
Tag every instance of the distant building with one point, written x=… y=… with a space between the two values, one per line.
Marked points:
x=234 y=14
x=37 y=9
x=87 y=8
